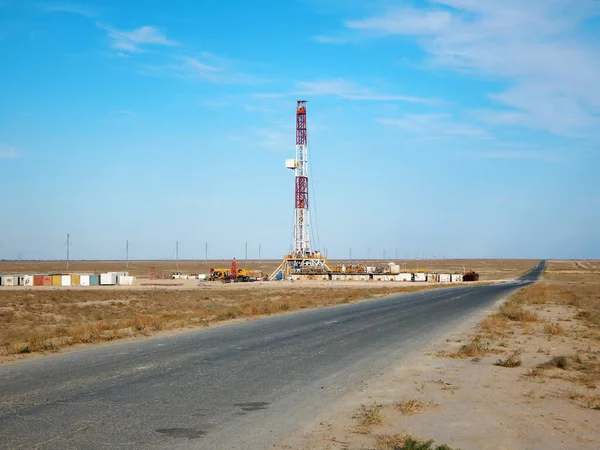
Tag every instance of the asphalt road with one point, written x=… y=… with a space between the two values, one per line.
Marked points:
x=244 y=385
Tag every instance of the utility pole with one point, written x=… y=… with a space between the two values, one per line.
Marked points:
x=384 y=254
x=350 y=255
x=259 y=254
x=368 y=253
x=177 y=254
x=246 y=258
x=127 y=254
x=206 y=254
x=68 y=245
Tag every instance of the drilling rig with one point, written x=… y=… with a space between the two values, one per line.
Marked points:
x=303 y=259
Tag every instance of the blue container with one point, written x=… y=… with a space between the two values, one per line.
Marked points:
x=94 y=280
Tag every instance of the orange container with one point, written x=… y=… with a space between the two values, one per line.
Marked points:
x=38 y=280
x=47 y=280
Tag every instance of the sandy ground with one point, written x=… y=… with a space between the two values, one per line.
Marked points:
x=472 y=403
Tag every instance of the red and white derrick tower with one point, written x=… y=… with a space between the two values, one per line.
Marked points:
x=302 y=259
x=300 y=167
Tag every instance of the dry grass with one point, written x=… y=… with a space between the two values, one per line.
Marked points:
x=367 y=417
x=46 y=320
x=495 y=326
x=587 y=401
x=512 y=360
x=413 y=406
x=554 y=329
x=573 y=271
x=477 y=346
x=399 y=442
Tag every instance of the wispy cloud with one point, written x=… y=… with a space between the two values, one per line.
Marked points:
x=435 y=126
x=206 y=67
x=351 y=91
x=8 y=152
x=329 y=40
x=134 y=41
x=80 y=9
x=539 y=47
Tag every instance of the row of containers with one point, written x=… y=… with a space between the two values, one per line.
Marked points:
x=417 y=277
x=102 y=279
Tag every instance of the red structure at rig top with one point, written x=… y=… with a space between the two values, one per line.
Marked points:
x=303 y=259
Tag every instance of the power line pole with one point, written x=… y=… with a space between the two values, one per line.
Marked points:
x=127 y=254
x=206 y=254
x=259 y=254
x=368 y=253
x=177 y=254
x=350 y=255
x=246 y=253
x=68 y=245
x=384 y=254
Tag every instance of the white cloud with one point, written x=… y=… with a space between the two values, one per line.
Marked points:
x=539 y=47
x=70 y=7
x=435 y=126
x=351 y=91
x=134 y=40
x=8 y=152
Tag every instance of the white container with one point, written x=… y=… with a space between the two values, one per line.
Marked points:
x=379 y=277
x=9 y=280
x=84 y=280
x=394 y=268
x=27 y=280
x=65 y=280
x=126 y=280
x=457 y=277
x=420 y=276
x=290 y=163
x=404 y=277
x=108 y=279
x=202 y=276
x=445 y=278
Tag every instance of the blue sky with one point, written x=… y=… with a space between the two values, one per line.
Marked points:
x=437 y=128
